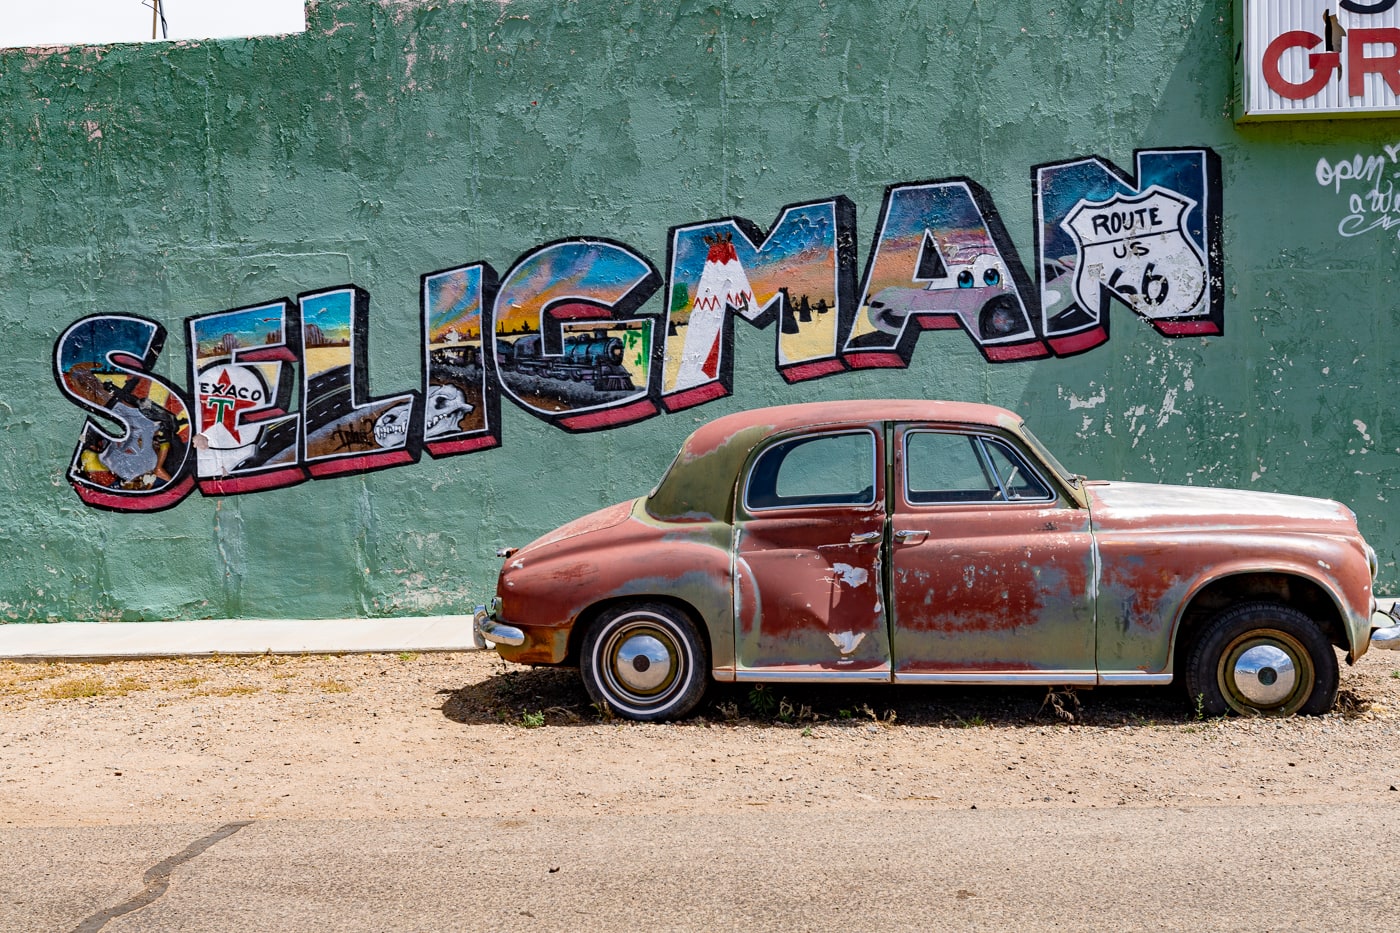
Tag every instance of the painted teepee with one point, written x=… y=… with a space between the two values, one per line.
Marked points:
x=724 y=287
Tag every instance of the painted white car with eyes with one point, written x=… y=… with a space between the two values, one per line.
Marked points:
x=975 y=293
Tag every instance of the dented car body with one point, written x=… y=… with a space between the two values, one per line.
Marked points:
x=937 y=543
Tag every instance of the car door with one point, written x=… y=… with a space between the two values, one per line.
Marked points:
x=809 y=534
x=991 y=566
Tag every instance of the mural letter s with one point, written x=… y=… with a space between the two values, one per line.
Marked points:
x=102 y=363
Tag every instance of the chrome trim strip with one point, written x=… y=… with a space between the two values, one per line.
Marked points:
x=812 y=677
x=987 y=465
x=1010 y=678
x=992 y=678
x=1134 y=678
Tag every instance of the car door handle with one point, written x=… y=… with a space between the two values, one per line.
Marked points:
x=862 y=536
x=910 y=534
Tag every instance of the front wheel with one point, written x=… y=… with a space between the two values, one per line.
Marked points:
x=1262 y=659
x=645 y=661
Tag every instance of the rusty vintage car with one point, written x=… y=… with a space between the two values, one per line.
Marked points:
x=934 y=543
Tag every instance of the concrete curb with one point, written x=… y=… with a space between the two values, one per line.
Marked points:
x=96 y=641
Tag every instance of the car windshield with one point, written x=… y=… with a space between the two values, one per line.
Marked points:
x=1048 y=458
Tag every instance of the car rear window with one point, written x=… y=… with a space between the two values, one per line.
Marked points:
x=825 y=469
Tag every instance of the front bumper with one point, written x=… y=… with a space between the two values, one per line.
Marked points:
x=1389 y=636
x=487 y=628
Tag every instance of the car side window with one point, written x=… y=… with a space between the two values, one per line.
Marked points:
x=945 y=467
x=827 y=469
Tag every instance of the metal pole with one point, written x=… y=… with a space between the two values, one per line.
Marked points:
x=155 y=17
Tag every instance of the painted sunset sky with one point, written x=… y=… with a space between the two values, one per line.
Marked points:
x=332 y=312
x=454 y=304
x=581 y=270
x=945 y=209
x=800 y=254
x=252 y=327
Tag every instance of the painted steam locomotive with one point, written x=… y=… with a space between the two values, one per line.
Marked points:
x=595 y=358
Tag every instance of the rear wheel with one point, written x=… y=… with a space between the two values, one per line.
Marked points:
x=645 y=661
x=1262 y=659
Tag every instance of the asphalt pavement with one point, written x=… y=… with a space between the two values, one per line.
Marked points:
x=1213 y=868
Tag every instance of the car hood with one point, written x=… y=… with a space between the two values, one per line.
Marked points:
x=593 y=521
x=1147 y=505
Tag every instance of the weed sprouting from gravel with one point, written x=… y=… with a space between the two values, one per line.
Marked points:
x=789 y=712
x=730 y=711
x=535 y=719
x=1064 y=704
x=762 y=701
x=887 y=719
x=80 y=688
x=76 y=689
x=1350 y=705
x=229 y=690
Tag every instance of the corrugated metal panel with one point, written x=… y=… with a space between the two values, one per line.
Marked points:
x=1266 y=21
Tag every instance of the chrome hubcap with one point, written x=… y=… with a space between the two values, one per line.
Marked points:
x=642 y=663
x=1265 y=675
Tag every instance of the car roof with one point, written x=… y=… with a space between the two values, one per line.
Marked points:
x=787 y=417
x=700 y=483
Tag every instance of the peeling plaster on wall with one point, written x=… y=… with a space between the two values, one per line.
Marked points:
x=1167 y=408
x=409 y=137
x=1092 y=401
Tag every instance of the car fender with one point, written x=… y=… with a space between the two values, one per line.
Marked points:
x=1132 y=633
x=547 y=591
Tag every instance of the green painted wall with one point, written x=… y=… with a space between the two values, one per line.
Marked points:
x=395 y=138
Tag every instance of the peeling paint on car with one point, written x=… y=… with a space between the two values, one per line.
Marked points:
x=1041 y=579
x=851 y=576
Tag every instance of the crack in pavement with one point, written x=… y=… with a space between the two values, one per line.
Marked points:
x=157 y=879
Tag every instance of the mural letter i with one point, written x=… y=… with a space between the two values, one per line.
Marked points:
x=462 y=412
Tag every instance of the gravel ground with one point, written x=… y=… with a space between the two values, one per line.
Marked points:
x=457 y=734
